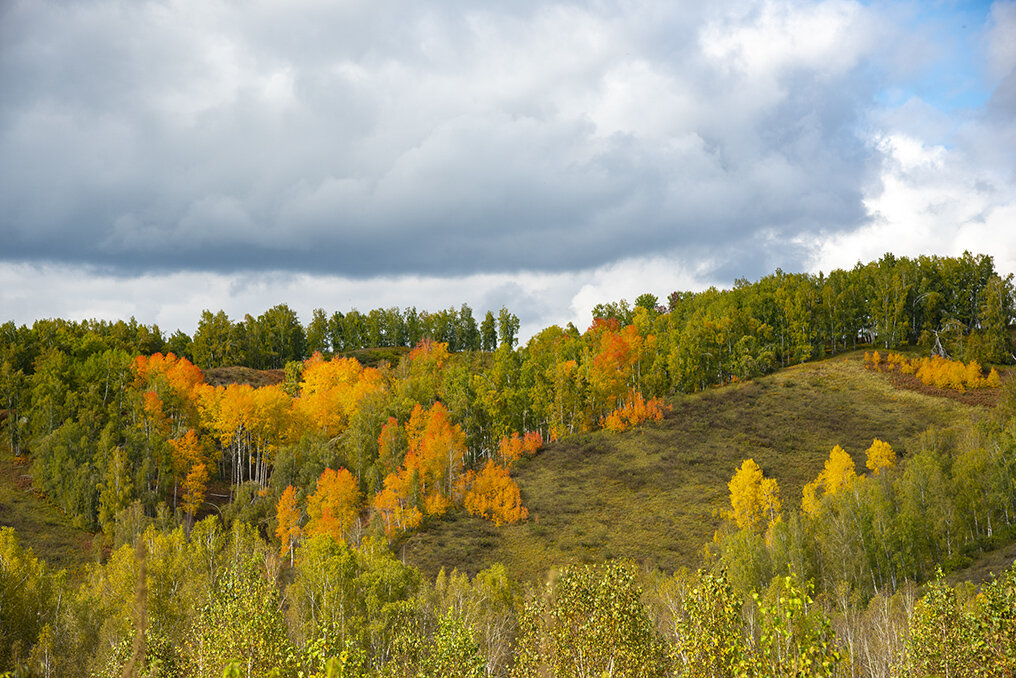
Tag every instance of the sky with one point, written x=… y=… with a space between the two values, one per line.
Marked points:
x=158 y=158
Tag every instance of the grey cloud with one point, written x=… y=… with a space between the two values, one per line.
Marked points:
x=366 y=140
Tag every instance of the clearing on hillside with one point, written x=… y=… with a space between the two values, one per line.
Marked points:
x=655 y=494
x=38 y=523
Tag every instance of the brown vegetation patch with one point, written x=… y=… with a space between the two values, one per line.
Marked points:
x=981 y=397
x=223 y=376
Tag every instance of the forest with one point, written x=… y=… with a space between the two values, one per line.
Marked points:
x=251 y=527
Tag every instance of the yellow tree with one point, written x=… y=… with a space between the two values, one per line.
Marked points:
x=754 y=499
x=288 y=514
x=331 y=391
x=394 y=505
x=334 y=506
x=838 y=474
x=880 y=456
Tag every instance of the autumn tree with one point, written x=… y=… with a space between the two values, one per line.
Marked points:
x=492 y=494
x=838 y=474
x=288 y=531
x=334 y=506
x=879 y=456
x=190 y=469
x=395 y=505
x=754 y=499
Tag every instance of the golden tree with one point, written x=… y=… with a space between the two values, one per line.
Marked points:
x=754 y=499
x=288 y=530
x=334 y=506
x=880 y=456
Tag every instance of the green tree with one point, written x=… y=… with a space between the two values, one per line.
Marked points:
x=589 y=623
x=507 y=328
x=488 y=332
x=453 y=653
x=318 y=334
x=214 y=341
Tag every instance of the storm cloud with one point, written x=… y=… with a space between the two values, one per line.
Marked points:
x=404 y=138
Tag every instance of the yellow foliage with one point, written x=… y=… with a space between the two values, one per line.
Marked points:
x=940 y=372
x=838 y=474
x=993 y=380
x=334 y=506
x=755 y=500
x=809 y=502
x=331 y=391
x=880 y=456
x=839 y=471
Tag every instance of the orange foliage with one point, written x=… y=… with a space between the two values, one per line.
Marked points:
x=511 y=449
x=436 y=450
x=190 y=468
x=194 y=486
x=288 y=513
x=633 y=412
x=174 y=380
x=334 y=506
x=151 y=406
x=493 y=495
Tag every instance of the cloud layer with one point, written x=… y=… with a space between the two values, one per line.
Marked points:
x=487 y=145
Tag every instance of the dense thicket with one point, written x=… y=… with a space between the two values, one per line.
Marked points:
x=219 y=602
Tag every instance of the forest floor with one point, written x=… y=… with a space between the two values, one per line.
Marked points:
x=38 y=523
x=656 y=494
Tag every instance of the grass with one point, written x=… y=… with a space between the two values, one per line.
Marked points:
x=38 y=523
x=655 y=494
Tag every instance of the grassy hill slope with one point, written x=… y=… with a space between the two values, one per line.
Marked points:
x=38 y=523
x=654 y=494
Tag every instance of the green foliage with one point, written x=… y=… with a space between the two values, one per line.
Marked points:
x=591 y=621
x=28 y=595
x=795 y=636
x=710 y=639
x=453 y=653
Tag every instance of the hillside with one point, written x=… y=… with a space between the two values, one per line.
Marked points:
x=38 y=523
x=654 y=494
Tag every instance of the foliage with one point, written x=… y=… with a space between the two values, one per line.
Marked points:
x=590 y=622
x=334 y=506
x=754 y=500
x=493 y=495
